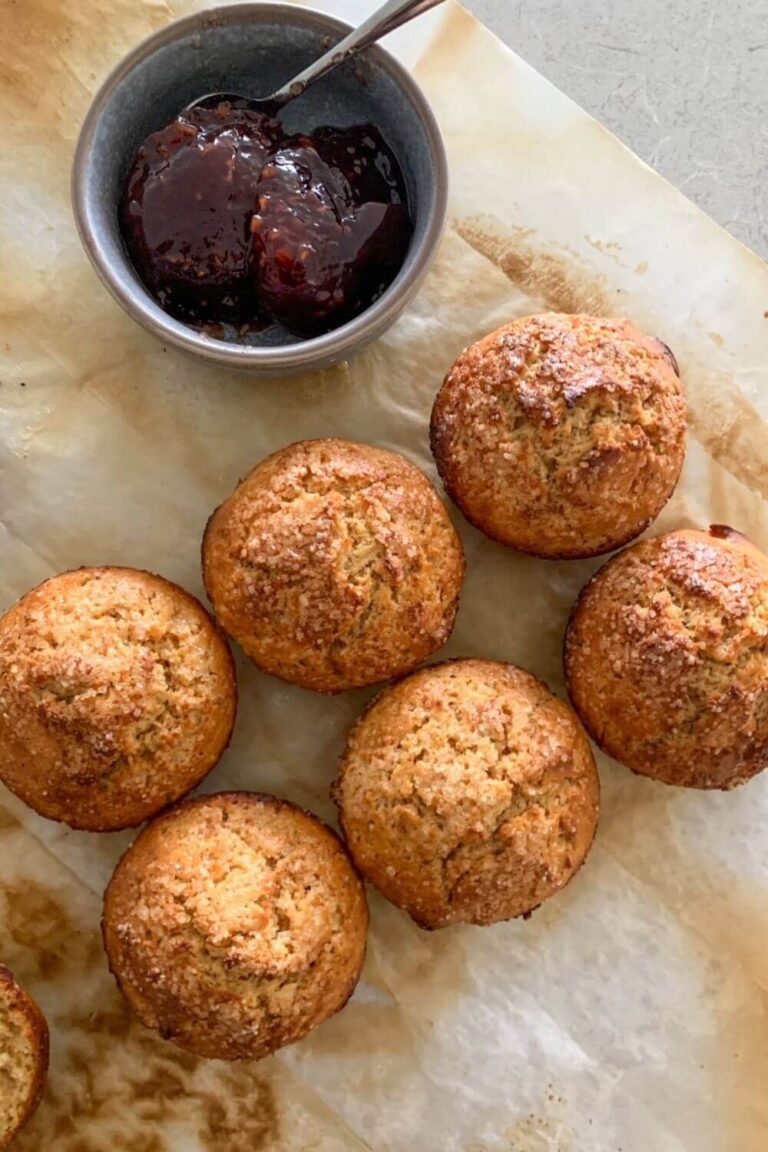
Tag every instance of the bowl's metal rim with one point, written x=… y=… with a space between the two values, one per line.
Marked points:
x=331 y=347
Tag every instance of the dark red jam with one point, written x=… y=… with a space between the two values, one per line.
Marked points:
x=229 y=221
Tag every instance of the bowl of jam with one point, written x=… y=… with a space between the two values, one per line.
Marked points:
x=274 y=243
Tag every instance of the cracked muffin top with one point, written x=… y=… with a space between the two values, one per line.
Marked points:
x=468 y=793
x=235 y=924
x=334 y=565
x=117 y=695
x=23 y=1056
x=560 y=435
x=666 y=658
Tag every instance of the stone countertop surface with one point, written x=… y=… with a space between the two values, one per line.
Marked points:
x=684 y=84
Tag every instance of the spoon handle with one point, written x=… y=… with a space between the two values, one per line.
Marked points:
x=385 y=19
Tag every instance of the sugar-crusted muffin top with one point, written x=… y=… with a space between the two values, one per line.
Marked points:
x=334 y=565
x=235 y=924
x=468 y=793
x=116 y=685
x=667 y=658
x=561 y=435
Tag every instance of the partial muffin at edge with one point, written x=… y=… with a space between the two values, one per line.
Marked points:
x=561 y=435
x=235 y=924
x=468 y=793
x=334 y=565
x=23 y=1056
x=666 y=658
x=117 y=696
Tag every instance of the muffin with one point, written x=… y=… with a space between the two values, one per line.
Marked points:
x=334 y=565
x=117 y=695
x=666 y=658
x=468 y=793
x=23 y=1056
x=235 y=925
x=561 y=436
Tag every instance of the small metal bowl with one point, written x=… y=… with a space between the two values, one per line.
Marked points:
x=253 y=48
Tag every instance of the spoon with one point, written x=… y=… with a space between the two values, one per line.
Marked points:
x=389 y=16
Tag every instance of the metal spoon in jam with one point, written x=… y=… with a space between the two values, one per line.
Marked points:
x=393 y=14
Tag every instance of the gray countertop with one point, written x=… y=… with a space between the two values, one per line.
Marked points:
x=683 y=82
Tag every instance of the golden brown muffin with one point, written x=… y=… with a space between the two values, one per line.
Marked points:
x=667 y=661
x=468 y=793
x=117 y=696
x=562 y=436
x=23 y=1056
x=235 y=925
x=334 y=565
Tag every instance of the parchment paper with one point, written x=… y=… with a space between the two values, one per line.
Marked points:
x=629 y=1014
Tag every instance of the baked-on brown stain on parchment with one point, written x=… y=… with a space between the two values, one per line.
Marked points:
x=49 y=52
x=731 y=430
x=6 y=819
x=39 y=927
x=457 y=27
x=560 y=279
x=113 y=1083
x=535 y=1133
x=541 y=1131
